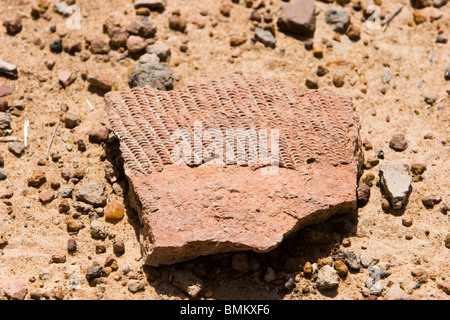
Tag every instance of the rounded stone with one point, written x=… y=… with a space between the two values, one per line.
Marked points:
x=398 y=142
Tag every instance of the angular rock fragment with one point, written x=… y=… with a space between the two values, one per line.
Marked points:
x=186 y=281
x=13 y=26
x=327 y=278
x=149 y=72
x=298 y=17
x=15 y=290
x=6 y=90
x=63 y=9
x=265 y=37
x=100 y=80
x=8 y=68
x=5 y=120
x=92 y=192
x=396 y=183
x=338 y=18
x=161 y=49
x=191 y=208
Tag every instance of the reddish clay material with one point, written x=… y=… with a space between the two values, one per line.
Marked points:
x=192 y=210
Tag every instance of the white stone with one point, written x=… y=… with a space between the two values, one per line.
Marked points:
x=396 y=183
x=327 y=278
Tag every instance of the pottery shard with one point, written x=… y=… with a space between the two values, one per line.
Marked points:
x=187 y=210
x=298 y=17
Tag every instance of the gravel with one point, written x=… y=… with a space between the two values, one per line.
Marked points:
x=92 y=192
x=149 y=72
x=186 y=281
x=98 y=230
x=135 y=286
x=16 y=148
x=327 y=278
x=398 y=142
x=94 y=272
x=265 y=37
x=395 y=182
x=338 y=18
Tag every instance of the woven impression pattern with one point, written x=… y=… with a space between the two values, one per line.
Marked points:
x=314 y=125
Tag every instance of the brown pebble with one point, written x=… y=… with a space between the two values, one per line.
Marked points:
x=418 y=168
x=363 y=194
x=59 y=258
x=64 y=206
x=341 y=268
x=13 y=26
x=431 y=200
x=385 y=205
x=407 y=221
x=143 y=11
x=321 y=70
x=65 y=173
x=99 y=249
x=37 y=179
x=118 y=246
x=236 y=41
x=353 y=32
x=420 y=274
x=71 y=245
x=346 y=242
x=177 y=23
x=98 y=135
x=338 y=80
x=73 y=225
x=225 y=10
x=46 y=196
x=398 y=142
x=367 y=145
x=409 y=236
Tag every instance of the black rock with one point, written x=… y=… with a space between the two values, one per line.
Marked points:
x=94 y=272
x=56 y=47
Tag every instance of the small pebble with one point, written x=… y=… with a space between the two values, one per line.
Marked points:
x=16 y=148
x=430 y=99
x=431 y=200
x=71 y=245
x=56 y=46
x=409 y=236
x=442 y=38
x=407 y=221
x=118 y=246
x=398 y=142
x=135 y=286
x=447 y=75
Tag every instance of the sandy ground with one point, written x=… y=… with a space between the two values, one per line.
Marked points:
x=35 y=232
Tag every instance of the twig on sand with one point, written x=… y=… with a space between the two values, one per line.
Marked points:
x=25 y=132
x=392 y=16
x=9 y=139
x=89 y=104
x=51 y=140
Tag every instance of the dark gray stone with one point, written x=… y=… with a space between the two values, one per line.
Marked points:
x=338 y=18
x=149 y=72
